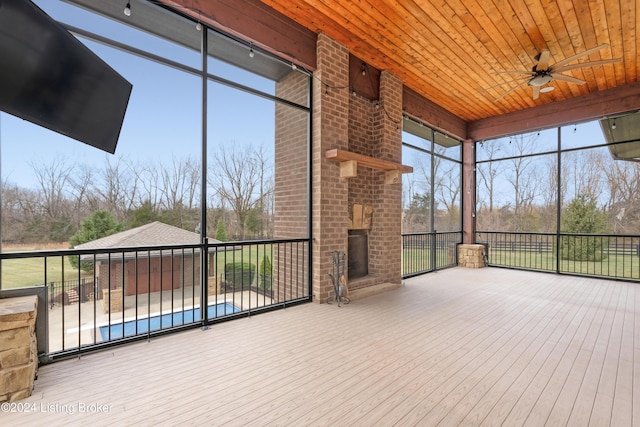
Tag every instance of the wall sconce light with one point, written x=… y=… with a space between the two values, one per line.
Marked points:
x=127 y=9
x=613 y=126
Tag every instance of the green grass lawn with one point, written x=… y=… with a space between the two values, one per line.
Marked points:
x=417 y=260
x=24 y=272
x=617 y=266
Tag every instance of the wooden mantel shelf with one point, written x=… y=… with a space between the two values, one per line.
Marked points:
x=385 y=165
x=349 y=165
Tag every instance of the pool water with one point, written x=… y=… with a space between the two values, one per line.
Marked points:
x=155 y=323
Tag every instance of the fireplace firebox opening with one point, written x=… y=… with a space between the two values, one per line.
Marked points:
x=358 y=253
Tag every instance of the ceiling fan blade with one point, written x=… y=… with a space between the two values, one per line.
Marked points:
x=557 y=76
x=584 y=64
x=514 y=72
x=579 y=55
x=536 y=92
x=511 y=90
x=517 y=79
x=543 y=62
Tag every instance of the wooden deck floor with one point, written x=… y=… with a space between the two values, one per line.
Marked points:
x=458 y=347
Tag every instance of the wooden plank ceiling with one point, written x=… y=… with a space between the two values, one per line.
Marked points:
x=455 y=52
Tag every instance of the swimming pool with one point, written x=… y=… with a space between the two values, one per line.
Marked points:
x=155 y=323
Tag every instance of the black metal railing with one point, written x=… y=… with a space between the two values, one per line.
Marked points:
x=97 y=298
x=425 y=252
x=597 y=255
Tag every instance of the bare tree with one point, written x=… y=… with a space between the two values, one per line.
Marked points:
x=149 y=189
x=623 y=182
x=447 y=190
x=237 y=177
x=522 y=178
x=585 y=173
x=83 y=199
x=179 y=184
x=118 y=188
x=487 y=173
x=52 y=180
x=18 y=207
x=418 y=202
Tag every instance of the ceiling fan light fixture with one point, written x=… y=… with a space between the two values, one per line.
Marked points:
x=546 y=89
x=540 y=80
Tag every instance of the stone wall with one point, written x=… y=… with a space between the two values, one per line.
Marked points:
x=471 y=255
x=18 y=347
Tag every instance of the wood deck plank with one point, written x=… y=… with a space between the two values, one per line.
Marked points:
x=494 y=373
x=549 y=396
x=457 y=347
x=515 y=401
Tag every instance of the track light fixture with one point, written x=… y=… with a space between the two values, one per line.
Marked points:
x=127 y=9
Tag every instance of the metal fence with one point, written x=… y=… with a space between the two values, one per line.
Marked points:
x=69 y=292
x=106 y=297
x=597 y=255
x=425 y=252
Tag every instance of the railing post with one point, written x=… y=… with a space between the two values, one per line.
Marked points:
x=52 y=295
x=204 y=283
x=433 y=250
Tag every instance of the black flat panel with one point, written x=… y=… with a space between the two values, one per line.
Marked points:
x=50 y=78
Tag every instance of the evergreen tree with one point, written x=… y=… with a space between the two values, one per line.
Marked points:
x=265 y=273
x=145 y=214
x=582 y=216
x=98 y=225
x=221 y=231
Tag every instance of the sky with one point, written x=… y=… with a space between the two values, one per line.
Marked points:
x=163 y=118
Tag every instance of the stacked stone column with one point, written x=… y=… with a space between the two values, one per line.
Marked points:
x=18 y=347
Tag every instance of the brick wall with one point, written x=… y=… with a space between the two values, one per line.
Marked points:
x=330 y=130
x=290 y=198
x=350 y=122
x=385 y=242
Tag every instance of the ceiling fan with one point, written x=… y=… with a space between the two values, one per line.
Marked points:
x=543 y=73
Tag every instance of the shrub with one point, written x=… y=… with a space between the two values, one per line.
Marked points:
x=265 y=273
x=240 y=274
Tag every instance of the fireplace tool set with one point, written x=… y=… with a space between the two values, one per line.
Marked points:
x=338 y=278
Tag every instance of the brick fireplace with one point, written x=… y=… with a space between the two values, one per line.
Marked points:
x=344 y=122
